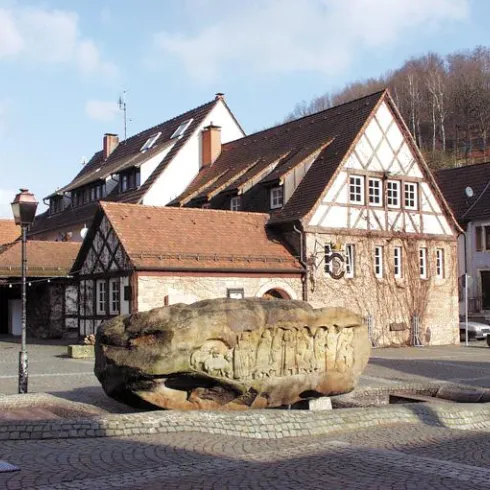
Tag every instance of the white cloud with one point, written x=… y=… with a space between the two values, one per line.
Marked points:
x=282 y=36
x=6 y=197
x=11 y=42
x=101 y=110
x=42 y=35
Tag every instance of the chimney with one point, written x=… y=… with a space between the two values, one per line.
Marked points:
x=220 y=96
x=110 y=144
x=211 y=144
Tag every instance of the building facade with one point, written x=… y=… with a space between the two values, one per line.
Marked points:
x=467 y=190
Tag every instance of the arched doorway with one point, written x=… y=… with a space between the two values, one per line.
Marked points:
x=276 y=293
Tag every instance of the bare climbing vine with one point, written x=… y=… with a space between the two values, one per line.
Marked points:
x=391 y=302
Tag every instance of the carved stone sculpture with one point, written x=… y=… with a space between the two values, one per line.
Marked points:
x=231 y=354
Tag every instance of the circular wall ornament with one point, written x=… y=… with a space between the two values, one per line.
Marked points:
x=337 y=265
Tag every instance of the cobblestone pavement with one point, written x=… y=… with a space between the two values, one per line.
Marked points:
x=409 y=457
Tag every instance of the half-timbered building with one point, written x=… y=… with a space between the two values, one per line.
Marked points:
x=136 y=258
x=348 y=189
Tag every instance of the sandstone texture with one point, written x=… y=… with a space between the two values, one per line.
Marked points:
x=231 y=354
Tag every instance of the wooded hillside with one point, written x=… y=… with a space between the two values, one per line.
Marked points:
x=445 y=102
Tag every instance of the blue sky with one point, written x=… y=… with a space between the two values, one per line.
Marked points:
x=63 y=65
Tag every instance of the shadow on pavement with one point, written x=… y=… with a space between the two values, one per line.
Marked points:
x=386 y=457
x=464 y=372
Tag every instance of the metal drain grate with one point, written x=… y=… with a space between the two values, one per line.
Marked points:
x=6 y=467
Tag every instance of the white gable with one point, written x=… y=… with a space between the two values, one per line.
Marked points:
x=185 y=165
x=382 y=152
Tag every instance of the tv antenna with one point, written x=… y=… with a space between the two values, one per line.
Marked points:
x=122 y=107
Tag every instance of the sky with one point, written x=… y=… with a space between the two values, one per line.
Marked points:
x=64 y=64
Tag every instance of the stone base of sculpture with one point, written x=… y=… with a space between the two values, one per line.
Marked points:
x=231 y=354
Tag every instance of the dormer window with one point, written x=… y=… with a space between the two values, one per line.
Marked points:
x=55 y=205
x=88 y=194
x=129 y=180
x=150 y=141
x=276 y=196
x=181 y=129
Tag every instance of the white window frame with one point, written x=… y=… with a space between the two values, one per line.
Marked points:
x=350 y=260
x=181 y=129
x=412 y=188
x=393 y=193
x=114 y=296
x=276 y=197
x=397 y=262
x=378 y=261
x=124 y=182
x=375 y=199
x=235 y=293
x=440 y=263
x=327 y=251
x=423 y=262
x=101 y=292
x=236 y=203
x=356 y=189
x=150 y=141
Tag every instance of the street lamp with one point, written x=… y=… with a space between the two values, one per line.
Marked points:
x=24 y=208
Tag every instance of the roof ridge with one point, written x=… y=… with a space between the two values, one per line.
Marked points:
x=106 y=204
x=379 y=92
x=172 y=119
x=462 y=167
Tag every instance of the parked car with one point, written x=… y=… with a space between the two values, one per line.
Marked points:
x=476 y=331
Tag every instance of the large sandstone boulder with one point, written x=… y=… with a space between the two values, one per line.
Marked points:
x=231 y=354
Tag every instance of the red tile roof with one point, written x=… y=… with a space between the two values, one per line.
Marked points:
x=44 y=258
x=9 y=231
x=453 y=183
x=68 y=218
x=281 y=148
x=166 y=238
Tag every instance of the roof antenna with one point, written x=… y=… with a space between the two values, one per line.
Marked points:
x=122 y=107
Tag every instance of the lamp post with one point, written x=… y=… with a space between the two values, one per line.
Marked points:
x=24 y=208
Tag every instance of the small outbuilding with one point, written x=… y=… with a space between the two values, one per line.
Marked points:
x=135 y=258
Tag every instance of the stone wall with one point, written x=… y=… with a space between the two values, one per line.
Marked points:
x=157 y=290
x=391 y=303
x=45 y=315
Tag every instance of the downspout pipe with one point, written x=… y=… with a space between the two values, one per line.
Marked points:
x=302 y=260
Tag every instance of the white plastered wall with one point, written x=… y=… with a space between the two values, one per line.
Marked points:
x=185 y=165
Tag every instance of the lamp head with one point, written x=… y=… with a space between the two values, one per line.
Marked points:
x=24 y=207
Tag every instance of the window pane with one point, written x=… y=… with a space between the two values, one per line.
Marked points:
x=236 y=203
x=349 y=260
x=375 y=194
x=276 y=197
x=440 y=262
x=327 y=252
x=423 y=262
x=479 y=238
x=393 y=193
x=487 y=237
x=397 y=262
x=411 y=195
x=378 y=261
x=356 y=189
